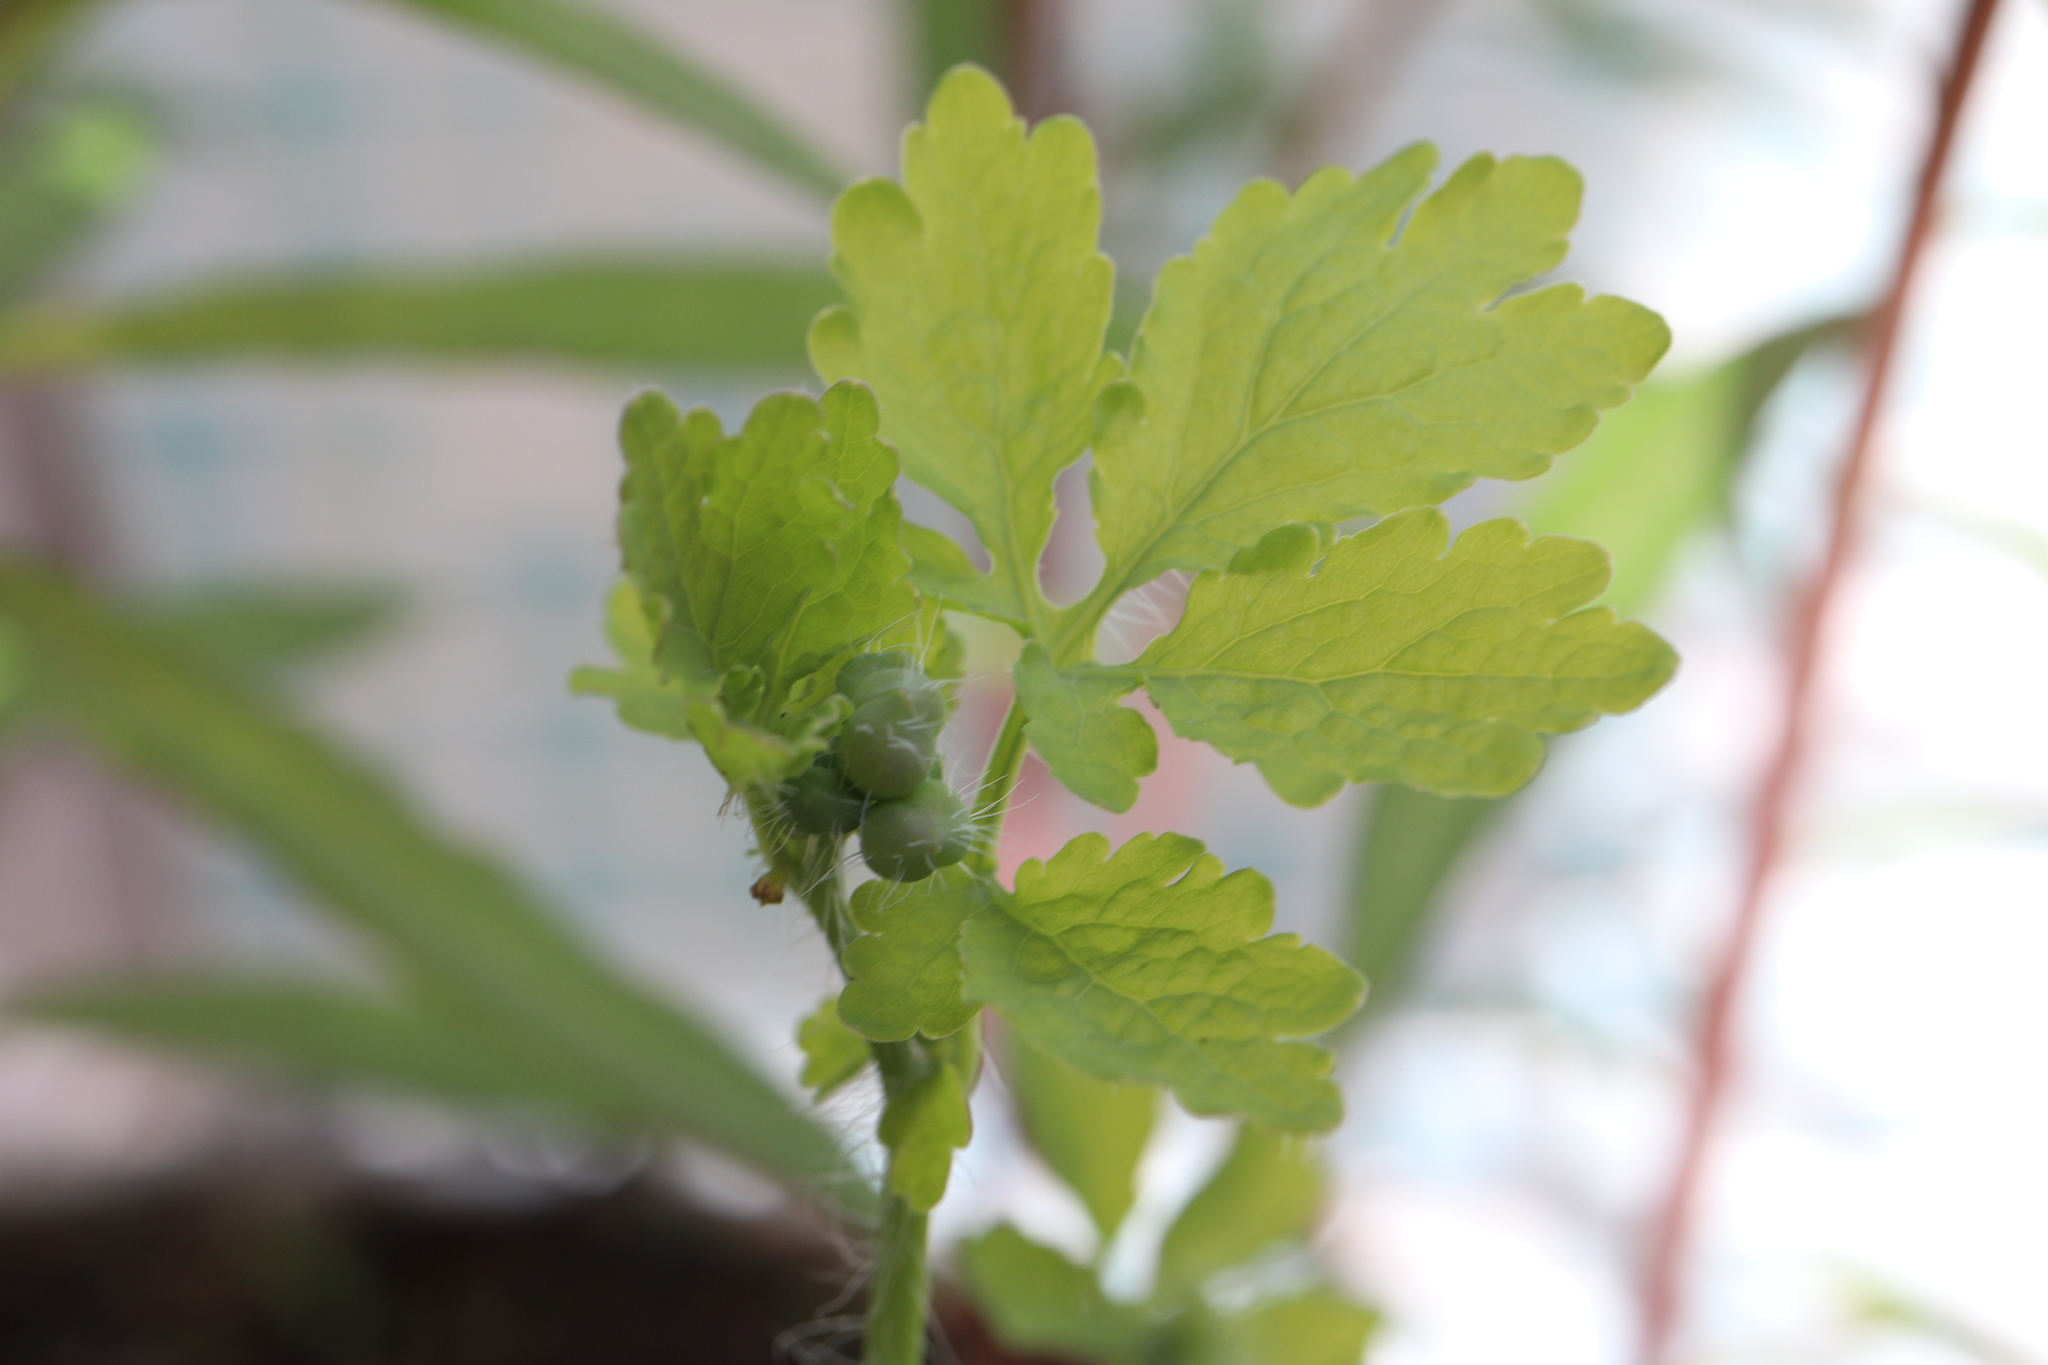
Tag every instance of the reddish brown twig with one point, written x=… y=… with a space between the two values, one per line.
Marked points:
x=1671 y=1234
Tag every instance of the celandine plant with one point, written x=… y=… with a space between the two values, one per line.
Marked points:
x=1342 y=353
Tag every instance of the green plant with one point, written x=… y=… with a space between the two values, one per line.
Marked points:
x=1358 y=349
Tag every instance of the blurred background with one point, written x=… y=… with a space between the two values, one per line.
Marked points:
x=319 y=315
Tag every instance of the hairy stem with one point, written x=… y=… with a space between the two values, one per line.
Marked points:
x=898 y=1294
x=998 y=781
x=897 y=1299
x=1671 y=1234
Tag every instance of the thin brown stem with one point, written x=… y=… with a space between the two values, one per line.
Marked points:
x=1671 y=1233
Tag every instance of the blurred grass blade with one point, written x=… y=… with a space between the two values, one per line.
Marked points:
x=645 y=312
x=317 y=1031
x=1660 y=466
x=58 y=178
x=251 y=632
x=1407 y=846
x=445 y=918
x=948 y=32
x=636 y=66
x=1653 y=472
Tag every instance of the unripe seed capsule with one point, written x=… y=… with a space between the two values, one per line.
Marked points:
x=888 y=744
x=819 y=800
x=908 y=840
x=860 y=667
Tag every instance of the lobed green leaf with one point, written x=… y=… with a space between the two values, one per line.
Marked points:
x=1149 y=965
x=1097 y=748
x=1396 y=661
x=1333 y=354
x=903 y=972
x=976 y=306
x=922 y=1127
x=762 y=558
x=833 y=1053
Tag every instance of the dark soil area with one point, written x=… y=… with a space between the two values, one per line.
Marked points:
x=217 y=1273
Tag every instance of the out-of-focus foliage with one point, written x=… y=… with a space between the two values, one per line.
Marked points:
x=60 y=175
x=1092 y=1133
x=1652 y=476
x=593 y=44
x=499 y=999
x=680 y=311
x=1214 y=1299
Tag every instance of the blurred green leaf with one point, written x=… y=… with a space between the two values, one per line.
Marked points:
x=473 y=948
x=833 y=1053
x=1321 y=1327
x=676 y=311
x=1656 y=470
x=638 y=67
x=1035 y=1299
x=58 y=178
x=1407 y=845
x=1269 y=1190
x=1092 y=1133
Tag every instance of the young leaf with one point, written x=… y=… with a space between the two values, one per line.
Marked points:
x=599 y=47
x=921 y=1127
x=764 y=555
x=977 y=302
x=1092 y=1133
x=1331 y=355
x=1037 y=1300
x=1097 y=748
x=1148 y=965
x=1321 y=1327
x=646 y=700
x=833 y=1053
x=1268 y=1191
x=1396 y=661
x=904 y=970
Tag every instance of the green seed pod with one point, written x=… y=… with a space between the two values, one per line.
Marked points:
x=819 y=800
x=889 y=743
x=908 y=840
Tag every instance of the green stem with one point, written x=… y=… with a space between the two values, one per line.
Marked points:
x=998 y=780
x=900 y=1290
x=899 y=1297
